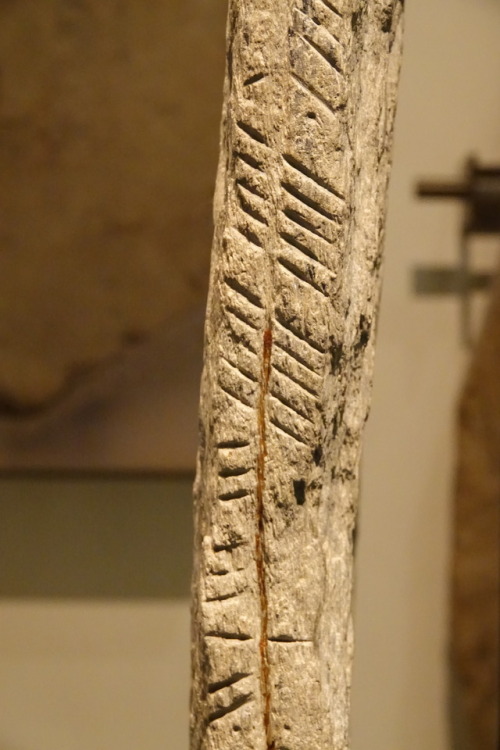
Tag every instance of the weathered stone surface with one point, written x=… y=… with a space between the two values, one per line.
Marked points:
x=300 y=201
x=476 y=549
x=108 y=142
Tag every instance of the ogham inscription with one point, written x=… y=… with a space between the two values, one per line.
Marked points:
x=300 y=201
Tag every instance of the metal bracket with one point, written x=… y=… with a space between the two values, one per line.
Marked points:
x=441 y=280
x=480 y=191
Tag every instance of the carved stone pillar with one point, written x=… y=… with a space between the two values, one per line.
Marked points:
x=300 y=205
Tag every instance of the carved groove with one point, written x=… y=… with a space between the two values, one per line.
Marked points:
x=251 y=132
x=234 y=395
x=244 y=186
x=287 y=431
x=310 y=89
x=306 y=172
x=228 y=547
x=229 y=636
x=298 y=357
x=291 y=240
x=302 y=222
x=241 y=316
x=301 y=275
x=247 y=185
x=234 y=495
x=240 y=370
x=250 y=160
x=327 y=56
x=250 y=236
x=214 y=687
x=289 y=639
x=233 y=444
x=222 y=597
x=249 y=209
x=289 y=405
x=284 y=323
x=243 y=292
x=254 y=79
x=237 y=703
x=306 y=13
x=310 y=391
x=310 y=202
x=238 y=471
x=328 y=4
x=239 y=338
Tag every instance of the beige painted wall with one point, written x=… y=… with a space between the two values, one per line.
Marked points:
x=109 y=116
x=94 y=621
x=82 y=667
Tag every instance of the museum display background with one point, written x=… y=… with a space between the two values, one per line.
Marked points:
x=96 y=662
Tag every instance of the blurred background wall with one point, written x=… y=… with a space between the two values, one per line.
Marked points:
x=94 y=573
x=449 y=107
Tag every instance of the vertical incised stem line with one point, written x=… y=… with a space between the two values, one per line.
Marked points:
x=260 y=548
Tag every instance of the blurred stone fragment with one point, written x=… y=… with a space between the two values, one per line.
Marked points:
x=476 y=561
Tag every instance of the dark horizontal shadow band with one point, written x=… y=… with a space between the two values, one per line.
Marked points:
x=93 y=538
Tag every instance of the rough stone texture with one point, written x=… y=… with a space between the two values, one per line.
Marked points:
x=109 y=117
x=476 y=558
x=300 y=202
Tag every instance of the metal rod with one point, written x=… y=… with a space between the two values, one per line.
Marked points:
x=434 y=189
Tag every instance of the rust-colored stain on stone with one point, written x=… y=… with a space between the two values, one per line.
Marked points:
x=260 y=544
